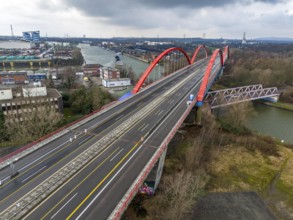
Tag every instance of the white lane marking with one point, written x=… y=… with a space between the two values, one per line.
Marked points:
x=116 y=155
x=144 y=127
x=120 y=116
x=157 y=112
x=33 y=174
x=139 y=104
x=63 y=206
x=141 y=126
x=37 y=159
x=84 y=140
x=102 y=190
x=171 y=101
x=5 y=178
x=161 y=112
x=42 y=156
x=98 y=124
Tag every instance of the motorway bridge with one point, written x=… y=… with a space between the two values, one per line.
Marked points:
x=93 y=168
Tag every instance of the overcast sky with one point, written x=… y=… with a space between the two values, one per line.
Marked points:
x=149 y=18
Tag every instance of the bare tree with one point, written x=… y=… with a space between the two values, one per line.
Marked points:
x=35 y=121
x=69 y=78
x=238 y=114
x=181 y=191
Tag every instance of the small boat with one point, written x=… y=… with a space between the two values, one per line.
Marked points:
x=118 y=61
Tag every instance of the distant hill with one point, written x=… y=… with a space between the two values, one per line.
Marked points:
x=283 y=39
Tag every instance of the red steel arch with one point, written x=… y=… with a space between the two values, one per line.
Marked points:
x=207 y=74
x=197 y=51
x=153 y=64
x=226 y=53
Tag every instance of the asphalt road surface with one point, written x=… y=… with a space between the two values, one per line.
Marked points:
x=94 y=190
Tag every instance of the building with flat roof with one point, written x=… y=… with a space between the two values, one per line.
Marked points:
x=110 y=73
x=11 y=78
x=92 y=69
x=123 y=82
x=16 y=102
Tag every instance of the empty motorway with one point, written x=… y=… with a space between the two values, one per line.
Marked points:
x=103 y=159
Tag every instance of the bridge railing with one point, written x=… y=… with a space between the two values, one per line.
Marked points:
x=35 y=145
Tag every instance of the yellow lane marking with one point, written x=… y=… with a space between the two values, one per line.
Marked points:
x=84 y=134
x=80 y=181
x=56 y=163
x=103 y=180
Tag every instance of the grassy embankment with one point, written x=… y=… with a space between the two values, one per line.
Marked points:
x=214 y=160
x=281 y=105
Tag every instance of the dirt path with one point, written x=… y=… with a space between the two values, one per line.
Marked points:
x=275 y=198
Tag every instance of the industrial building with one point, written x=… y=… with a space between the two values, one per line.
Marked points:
x=19 y=101
x=111 y=78
x=123 y=82
x=31 y=36
x=11 y=78
x=21 y=77
x=92 y=69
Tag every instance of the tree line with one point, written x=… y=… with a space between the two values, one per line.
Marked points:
x=42 y=119
x=266 y=65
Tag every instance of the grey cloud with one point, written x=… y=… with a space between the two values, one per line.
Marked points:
x=93 y=6
x=141 y=13
x=150 y=14
x=50 y=5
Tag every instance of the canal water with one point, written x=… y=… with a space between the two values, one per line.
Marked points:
x=268 y=120
x=95 y=54
x=14 y=44
x=272 y=121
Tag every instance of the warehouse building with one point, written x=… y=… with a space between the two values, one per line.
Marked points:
x=124 y=82
x=92 y=69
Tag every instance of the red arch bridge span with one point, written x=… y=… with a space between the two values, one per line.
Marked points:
x=94 y=167
x=176 y=58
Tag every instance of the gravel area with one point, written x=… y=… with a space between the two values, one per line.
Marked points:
x=228 y=206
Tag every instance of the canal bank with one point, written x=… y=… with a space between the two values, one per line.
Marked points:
x=268 y=121
x=272 y=121
x=96 y=54
x=136 y=58
x=280 y=105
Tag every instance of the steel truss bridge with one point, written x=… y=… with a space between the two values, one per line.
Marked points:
x=232 y=96
x=92 y=168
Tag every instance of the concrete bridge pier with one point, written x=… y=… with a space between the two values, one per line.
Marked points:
x=191 y=117
x=155 y=175
x=198 y=112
